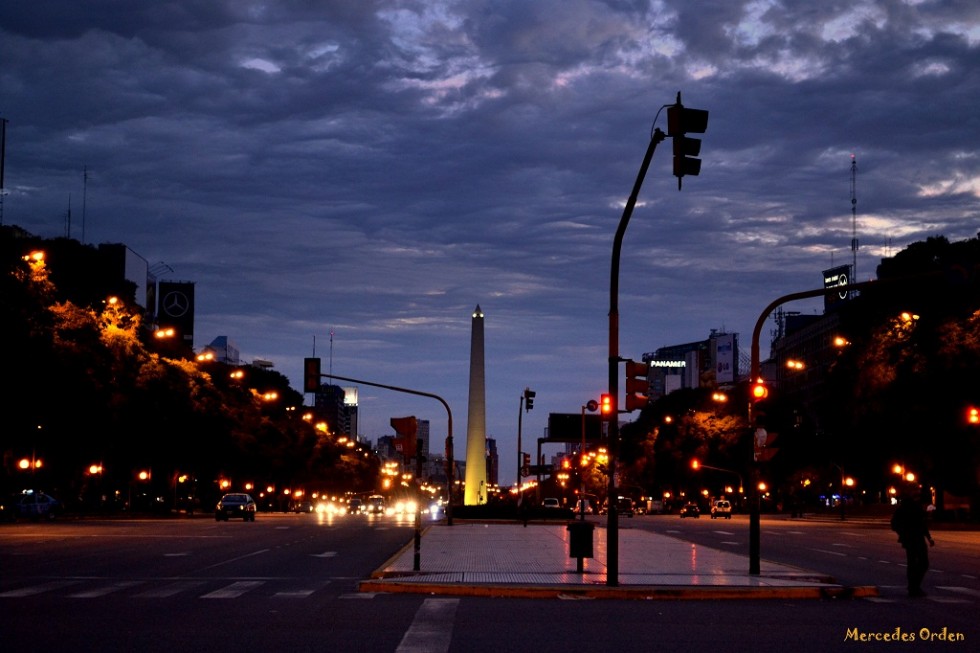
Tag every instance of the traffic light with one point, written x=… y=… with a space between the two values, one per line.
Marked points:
x=527 y=459
x=973 y=415
x=407 y=429
x=637 y=385
x=758 y=391
x=311 y=374
x=607 y=407
x=529 y=398
x=680 y=122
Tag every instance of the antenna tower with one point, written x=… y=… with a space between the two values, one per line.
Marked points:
x=84 y=196
x=854 y=235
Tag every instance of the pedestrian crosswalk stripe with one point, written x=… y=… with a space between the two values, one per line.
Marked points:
x=37 y=589
x=171 y=590
x=104 y=589
x=234 y=590
x=960 y=590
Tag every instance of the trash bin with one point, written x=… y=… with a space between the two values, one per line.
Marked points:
x=580 y=539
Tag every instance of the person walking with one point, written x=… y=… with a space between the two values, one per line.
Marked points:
x=910 y=521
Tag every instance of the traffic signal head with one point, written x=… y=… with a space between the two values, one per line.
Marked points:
x=637 y=385
x=607 y=407
x=759 y=391
x=973 y=415
x=311 y=374
x=407 y=429
x=680 y=122
x=529 y=398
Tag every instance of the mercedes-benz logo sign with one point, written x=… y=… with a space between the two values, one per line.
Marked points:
x=842 y=281
x=176 y=304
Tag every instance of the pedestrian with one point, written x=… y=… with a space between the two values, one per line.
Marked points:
x=911 y=523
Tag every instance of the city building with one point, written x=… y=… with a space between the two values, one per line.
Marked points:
x=706 y=363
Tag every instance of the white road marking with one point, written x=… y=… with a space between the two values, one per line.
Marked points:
x=969 y=591
x=37 y=589
x=325 y=554
x=171 y=590
x=432 y=629
x=105 y=589
x=296 y=594
x=234 y=590
x=247 y=555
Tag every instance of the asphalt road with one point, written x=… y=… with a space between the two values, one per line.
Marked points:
x=287 y=583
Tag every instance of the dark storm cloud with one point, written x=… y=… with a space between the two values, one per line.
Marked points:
x=379 y=168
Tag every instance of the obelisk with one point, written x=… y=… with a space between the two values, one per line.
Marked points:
x=476 y=421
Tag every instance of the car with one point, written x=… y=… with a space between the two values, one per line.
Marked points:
x=551 y=502
x=583 y=505
x=235 y=504
x=355 y=507
x=690 y=510
x=375 y=505
x=302 y=506
x=30 y=504
x=624 y=506
x=721 y=508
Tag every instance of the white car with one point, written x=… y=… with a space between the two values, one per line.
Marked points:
x=551 y=503
x=721 y=508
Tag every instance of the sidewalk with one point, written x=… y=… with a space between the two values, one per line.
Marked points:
x=505 y=559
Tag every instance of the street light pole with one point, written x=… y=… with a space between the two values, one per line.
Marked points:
x=612 y=524
x=755 y=370
x=520 y=459
x=449 y=433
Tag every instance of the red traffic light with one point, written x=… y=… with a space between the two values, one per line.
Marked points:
x=759 y=390
x=973 y=415
x=606 y=406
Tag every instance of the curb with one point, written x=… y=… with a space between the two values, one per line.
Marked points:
x=571 y=592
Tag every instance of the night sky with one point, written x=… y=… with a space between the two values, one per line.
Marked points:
x=377 y=169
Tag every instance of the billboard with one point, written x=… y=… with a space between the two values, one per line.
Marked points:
x=834 y=278
x=567 y=427
x=725 y=357
x=175 y=308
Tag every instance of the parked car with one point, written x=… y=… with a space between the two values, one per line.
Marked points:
x=30 y=504
x=551 y=502
x=237 y=505
x=721 y=508
x=690 y=510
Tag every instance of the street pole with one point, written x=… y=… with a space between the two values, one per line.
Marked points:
x=612 y=524
x=520 y=460
x=449 y=433
x=755 y=370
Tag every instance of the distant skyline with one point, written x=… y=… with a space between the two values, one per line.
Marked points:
x=378 y=168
